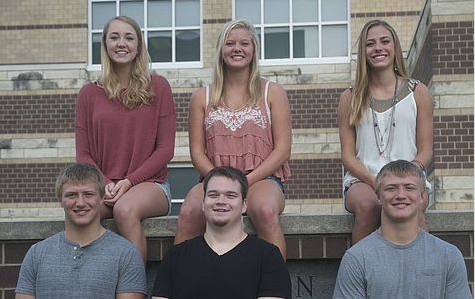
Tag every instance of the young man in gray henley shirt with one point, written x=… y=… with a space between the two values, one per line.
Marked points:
x=85 y=260
x=400 y=260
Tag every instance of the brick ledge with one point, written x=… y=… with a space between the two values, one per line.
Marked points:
x=292 y=224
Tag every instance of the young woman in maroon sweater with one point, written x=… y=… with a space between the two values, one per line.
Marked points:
x=125 y=126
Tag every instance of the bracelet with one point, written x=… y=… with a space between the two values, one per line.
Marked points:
x=419 y=164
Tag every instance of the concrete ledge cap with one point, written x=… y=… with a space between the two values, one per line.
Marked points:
x=292 y=224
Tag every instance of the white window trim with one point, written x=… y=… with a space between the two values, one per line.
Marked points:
x=154 y=65
x=290 y=25
x=179 y=165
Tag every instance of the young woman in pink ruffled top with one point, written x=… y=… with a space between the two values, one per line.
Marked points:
x=243 y=121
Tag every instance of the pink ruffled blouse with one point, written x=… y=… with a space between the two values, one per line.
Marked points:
x=241 y=138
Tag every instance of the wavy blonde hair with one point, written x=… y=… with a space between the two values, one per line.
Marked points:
x=360 y=96
x=219 y=71
x=138 y=91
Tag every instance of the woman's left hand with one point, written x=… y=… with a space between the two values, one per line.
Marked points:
x=120 y=188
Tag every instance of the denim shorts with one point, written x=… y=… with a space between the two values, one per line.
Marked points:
x=165 y=186
x=277 y=180
x=347 y=187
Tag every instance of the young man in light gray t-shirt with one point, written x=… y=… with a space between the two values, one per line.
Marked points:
x=400 y=260
x=85 y=260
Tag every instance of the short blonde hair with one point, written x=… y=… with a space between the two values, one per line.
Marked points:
x=401 y=168
x=79 y=173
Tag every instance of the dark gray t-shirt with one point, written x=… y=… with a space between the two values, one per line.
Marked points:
x=428 y=267
x=59 y=268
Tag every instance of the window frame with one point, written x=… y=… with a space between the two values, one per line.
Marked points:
x=310 y=60
x=177 y=202
x=145 y=32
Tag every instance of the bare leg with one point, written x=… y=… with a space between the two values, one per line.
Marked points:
x=141 y=201
x=362 y=201
x=191 y=220
x=265 y=201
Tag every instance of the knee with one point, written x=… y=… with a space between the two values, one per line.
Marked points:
x=368 y=209
x=189 y=213
x=264 y=214
x=124 y=214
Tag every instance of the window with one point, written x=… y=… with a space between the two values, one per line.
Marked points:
x=182 y=178
x=298 y=30
x=171 y=28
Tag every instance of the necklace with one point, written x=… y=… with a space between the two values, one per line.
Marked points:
x=379 y=136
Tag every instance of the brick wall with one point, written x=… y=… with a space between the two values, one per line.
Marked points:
x=452 y=48
x=316 y=178
x=299 y=247
x=47 y=113
x=314 y=108
x=22 y=183
x=453 y=141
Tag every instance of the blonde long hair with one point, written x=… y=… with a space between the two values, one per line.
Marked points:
x=360 y=96
x=219 y=72
x=138 y=91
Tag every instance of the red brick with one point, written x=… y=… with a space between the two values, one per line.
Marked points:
x=293 y=248
x=336 y=246
x=312 y=247
x=446 y=71
x=154 y=249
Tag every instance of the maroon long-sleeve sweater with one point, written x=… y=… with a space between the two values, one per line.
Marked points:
x=134 y=144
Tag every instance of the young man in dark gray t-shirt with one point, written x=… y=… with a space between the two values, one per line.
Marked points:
x=85 y=260
x=400 y=260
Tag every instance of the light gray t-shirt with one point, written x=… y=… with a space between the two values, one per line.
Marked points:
x=58 y=268
x=428 y=267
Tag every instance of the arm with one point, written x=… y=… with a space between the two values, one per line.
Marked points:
x=26 y=284
x=348 y=142
x=281 y=134
x=424 y=132
x=197 y=133
x=132 y=280
x=456 y=282
x=165 y=139
x=350 y=279
x=275 y=279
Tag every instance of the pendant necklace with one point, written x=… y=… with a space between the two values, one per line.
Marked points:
x=378 y=135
